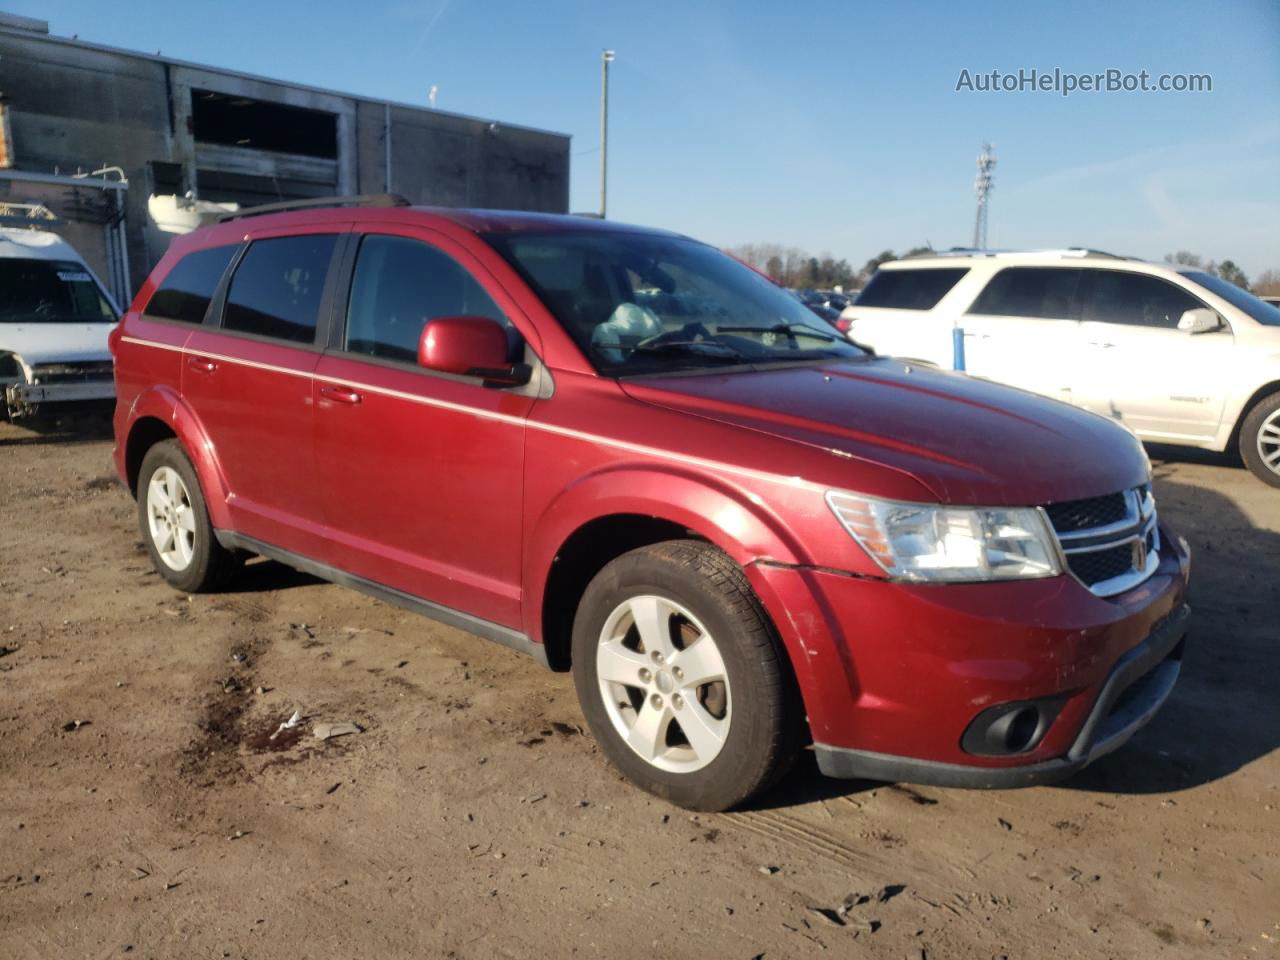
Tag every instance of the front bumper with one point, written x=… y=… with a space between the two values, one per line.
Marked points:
x=893 y=674
x=36 y=394
x=1135 y=690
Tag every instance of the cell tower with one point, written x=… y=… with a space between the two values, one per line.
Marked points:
x=983 y=185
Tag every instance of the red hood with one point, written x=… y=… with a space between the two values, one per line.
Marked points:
x=967 y=440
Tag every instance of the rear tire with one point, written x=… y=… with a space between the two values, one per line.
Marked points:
x=175 y=523
x=682 y=678
x=1260 y=440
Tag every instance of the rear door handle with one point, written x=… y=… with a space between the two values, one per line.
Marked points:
x=1099 y=343
x=340 y=395
x=201 y=365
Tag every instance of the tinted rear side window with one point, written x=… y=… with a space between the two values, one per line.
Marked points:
x=1138 y=300
x=277 y=287
x=1043 y=292
x=186 y=291
x=399 y=286
x=910 y=289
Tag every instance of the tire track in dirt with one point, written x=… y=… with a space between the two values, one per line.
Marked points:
x=793 y=833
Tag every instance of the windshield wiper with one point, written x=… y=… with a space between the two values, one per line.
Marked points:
x=717 y=351
x=787 y=328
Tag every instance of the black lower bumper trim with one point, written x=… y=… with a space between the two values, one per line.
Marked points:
x=1136 y=689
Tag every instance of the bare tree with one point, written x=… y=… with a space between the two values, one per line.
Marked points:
x=1267 y=283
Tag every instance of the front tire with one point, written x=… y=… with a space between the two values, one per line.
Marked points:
x=175 y=523
x=683 y=679
x=1260 y=440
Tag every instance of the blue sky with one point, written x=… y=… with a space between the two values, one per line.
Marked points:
x=829 y=126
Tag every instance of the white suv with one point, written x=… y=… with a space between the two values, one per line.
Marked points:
x=1177 y=354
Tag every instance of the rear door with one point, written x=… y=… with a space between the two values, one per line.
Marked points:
x=422 y=473
x=1138 y=367
x=247 y=375
x=900 y=313
x=1023 y=329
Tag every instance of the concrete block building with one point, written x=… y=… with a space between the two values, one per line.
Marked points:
x=95 y=133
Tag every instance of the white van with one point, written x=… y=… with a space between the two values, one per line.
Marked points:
x=55 y=317
x=1177 y=354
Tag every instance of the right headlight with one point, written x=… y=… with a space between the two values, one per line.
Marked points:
x=920 y=541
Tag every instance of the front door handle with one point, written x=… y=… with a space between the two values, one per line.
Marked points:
x=201 y=365
x=340 y=395
x=1100 y=343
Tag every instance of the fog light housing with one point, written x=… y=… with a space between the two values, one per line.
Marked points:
x=1011 y=728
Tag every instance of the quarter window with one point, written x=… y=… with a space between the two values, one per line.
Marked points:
x=910 y=289
x=277 y=287
x=1047 y=293
x=1138 y=300
x=399 y=286
x=186 y=291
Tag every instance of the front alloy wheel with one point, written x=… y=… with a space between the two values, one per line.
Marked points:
x=663 y=684
x=1268 y=441
x=1260 y=440
x=682 y=678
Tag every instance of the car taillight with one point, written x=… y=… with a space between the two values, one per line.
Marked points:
x=844 y=325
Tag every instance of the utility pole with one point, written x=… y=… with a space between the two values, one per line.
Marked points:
x=984 y=184
x=606 y=58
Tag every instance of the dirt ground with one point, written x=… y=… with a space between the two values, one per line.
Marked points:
x=144 y=809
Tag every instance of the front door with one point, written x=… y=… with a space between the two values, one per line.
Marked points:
x=1138 y=366
x=422 y=473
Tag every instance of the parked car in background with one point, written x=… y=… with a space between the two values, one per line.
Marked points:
x=740 y=531
x=817 y=305
x=55 y=317
x=1178 y=355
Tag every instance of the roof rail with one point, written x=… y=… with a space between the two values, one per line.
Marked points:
x=360 y=200
x=1091 y=252
x=1079 y=252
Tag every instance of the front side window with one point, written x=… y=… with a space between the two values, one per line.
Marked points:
x=277 y=287
x=50 y=291
x=399 y=286
x=644 y=303
x=909 y=289
x=185 y=293
x=1258 y=309
x=1136 y=299
x=1047 y=293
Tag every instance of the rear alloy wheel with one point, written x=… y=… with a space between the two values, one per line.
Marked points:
x=1260 y=440
x=175 y=524
x=170 y=519
x=681 y=677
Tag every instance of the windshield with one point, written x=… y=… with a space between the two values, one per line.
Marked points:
x=50 y=291
x=1244 y=300
x=644 y=303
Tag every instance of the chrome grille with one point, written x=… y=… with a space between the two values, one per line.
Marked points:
x=1083 y=514
x=1110 y=543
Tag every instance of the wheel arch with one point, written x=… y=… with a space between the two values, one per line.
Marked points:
x=1262 y=393
x=610 y=513
x=161 y=414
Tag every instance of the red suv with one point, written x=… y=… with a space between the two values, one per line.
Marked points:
x=618 y=450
